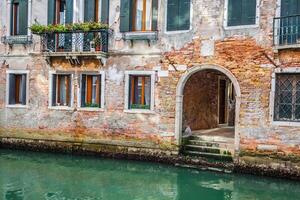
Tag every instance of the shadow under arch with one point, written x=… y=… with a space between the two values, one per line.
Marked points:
x=179 y=99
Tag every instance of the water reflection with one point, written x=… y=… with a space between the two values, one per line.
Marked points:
x=25 y=175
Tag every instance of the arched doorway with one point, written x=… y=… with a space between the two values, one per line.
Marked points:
x=213 y=110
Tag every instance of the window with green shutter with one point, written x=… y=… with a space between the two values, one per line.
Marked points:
x=178 y=15
x=241 y=12
x=138 y=15
x=19 y=17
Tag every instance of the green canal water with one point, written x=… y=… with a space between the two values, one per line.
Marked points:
x=30 y=176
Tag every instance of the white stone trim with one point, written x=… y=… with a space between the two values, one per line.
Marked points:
x=126 y=89
x=291 y=70
x=8 y=72
x=102 y=95
x=71 y=107
x=257 y=18
x=179 y=99
x=180 y=31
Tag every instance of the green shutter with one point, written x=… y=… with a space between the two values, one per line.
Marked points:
x=184 y=14
x=23 y=17
x=89 y=10
x=234 y=12
x=51 y=11
x=248 y=12
x=23 y=88
x=69 y=11
x=125 y=15
x=12 y=92
x=154 y=14
x=105 y=11
x=53 y=95
x=82 y=88
x=172 y=15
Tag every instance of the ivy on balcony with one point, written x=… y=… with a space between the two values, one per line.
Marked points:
x=60 y=28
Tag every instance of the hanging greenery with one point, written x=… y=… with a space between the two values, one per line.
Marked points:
x=59 y=28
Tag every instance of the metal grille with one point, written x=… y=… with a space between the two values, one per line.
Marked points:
x=286 y=30
x=92 y=41
x=287 y=98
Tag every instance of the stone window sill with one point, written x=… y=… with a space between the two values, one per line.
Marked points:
x=66 y=108
x=147 y=35
x=17 y=39
x=17 y=106
x=140 y=111
x=253 y=26
x=283 y=123
x=91 y=109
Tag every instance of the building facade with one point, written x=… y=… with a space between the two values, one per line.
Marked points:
x=164 y=69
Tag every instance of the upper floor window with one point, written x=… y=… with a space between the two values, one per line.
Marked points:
x=290 y=7
x=60 y=11
x=241 y=12
x=19 y=17
x=287 y=97
x=17 y=88
x=178 y=15
x=138 y=15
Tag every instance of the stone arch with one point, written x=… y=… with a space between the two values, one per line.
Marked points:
x=179 y=98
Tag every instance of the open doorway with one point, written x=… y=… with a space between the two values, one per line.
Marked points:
x=209 y=104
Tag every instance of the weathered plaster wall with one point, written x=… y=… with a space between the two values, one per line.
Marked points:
x=200 y=101
x=246 y=52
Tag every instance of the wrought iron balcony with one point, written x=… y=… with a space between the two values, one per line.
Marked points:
x=75 y=41
x=286 y=31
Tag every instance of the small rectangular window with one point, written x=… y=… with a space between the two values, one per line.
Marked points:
x=178 y=15
x=241 y=12
x=61 y=90
x=138 y=15
x=91 y=91
x=140 y=92
x=19 y=17
x=17 y=89
x=287 y=97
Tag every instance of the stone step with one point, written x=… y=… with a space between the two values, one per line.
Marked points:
x=205 y=149
x=210 y=144
x=216 y=139
x=209 y=155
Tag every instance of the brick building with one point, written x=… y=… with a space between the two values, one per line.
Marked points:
x=223 y=71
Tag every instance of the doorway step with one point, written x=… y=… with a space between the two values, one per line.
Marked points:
x=215 y=147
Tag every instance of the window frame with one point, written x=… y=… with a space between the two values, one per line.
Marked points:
x=102 y=95
x=288 y=70
x=257 y=18
x=126 y=96
x=9 y=21
x=50 y=106
x=178 y=31
x=18 y=72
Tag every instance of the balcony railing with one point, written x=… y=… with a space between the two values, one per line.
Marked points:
x=286 y=31
x=75 y=41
